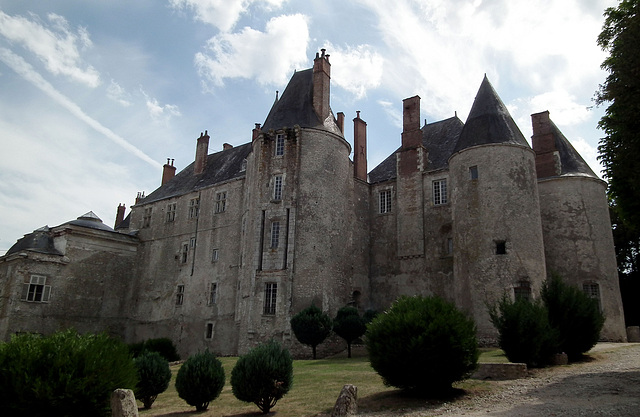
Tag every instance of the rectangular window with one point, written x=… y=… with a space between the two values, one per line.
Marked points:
x=194 y=208
x=270 y=295
x=146 y=218
x=501 y=247
x=214 y=255
x=473 y=172
x=213 y=293
x=192 y=242
x=275 y=234
x=440 y=192
x=522 y=291
x=384 y=201
x=36 y=290
x=221 y=202
x=592 y=291
x=171 y=212
x=277 y=187
x=280 y=144
x=209 y=332
x=450 y=246
x=180 y=295
x=185 y=253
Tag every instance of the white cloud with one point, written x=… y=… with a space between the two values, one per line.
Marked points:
x=562 y=105
x=222 y=14
x=26 y=71
x=392 y=111
x=159 y=112
x=57 y=46
x=118 y=94
x=356 y=69
x=268 y=56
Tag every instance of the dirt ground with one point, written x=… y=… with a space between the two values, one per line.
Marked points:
x=606 y=384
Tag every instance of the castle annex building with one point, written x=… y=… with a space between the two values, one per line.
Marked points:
x=226 y=251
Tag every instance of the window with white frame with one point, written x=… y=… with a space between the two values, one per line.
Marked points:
x=221 y=202
x=275 y=234
x=179 y=295
x=171 y=212
x=36 y=290
x=146 y=217
x=213 y=293
x=214 y=255
x=194 y=208
x=280 y=144
x=277 y=187
x=384 y=199
x=592 y=290
x=440 y=192
x=270 y=297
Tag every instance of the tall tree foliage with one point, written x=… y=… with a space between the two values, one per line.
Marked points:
x=620 y=148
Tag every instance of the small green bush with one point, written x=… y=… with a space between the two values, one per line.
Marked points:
x=163 y=345
x=524 y=331
x=575 y=316
x=422 y=345
x=349 y=325
x=263 y=375
x=311 y=327
x=153 y=377
x=65 y=374
x=200 y=380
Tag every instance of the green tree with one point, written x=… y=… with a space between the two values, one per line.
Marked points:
x=626 y=239
x=153 y=377
x=349 y=325
x=311 y=327
x=200 y=380
x=263 y=375
x=620 y=148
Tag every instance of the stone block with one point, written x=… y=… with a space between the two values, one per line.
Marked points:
x=123 y=403
x=346 y=404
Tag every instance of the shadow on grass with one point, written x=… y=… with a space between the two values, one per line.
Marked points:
x=406 y=400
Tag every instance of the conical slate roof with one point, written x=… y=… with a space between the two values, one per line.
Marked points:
x=295 y=106
x=571 y=162
x=489 y=121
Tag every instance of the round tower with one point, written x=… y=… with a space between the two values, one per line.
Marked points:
x=576 y=227
x=498 y=246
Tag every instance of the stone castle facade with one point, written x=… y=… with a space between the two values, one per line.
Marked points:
x=225 y=252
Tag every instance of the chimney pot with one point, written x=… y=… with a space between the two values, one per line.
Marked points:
x=202 y=150
x=168 y=172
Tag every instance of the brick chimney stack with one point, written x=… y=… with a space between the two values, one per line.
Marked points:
x=321 y=84
x=202 y=150
x=120 y=214
x=359 y=148
x=547 y=156
x=341 y=122
x=411 y=133
x=255 y=132
x=168 y=172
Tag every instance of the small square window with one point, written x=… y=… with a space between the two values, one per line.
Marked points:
x=501 y=247
x=522 y=291
x=384 y=199
x=221 y=202
x=36 y=290
x=179 y=295
x=473 y=172
x=280 y=144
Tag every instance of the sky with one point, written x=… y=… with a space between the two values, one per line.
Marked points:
x=96 y=95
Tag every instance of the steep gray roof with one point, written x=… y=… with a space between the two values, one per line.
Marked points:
x=439 y=139
x=40 y=241
x=489 y=121
x=570 y=160
x=221 y=166
x=295 y=106
x=91 y=221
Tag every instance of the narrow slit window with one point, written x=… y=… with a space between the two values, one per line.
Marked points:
x=473 y=172
x=179 y=295
x=501 y=247
x=209 y=332
x=270 y=297
x=275 y=234
x=279 y=144
x=213 y=293
x=277 y=187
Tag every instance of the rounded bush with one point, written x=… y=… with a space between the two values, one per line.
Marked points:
x=164 y=346
x=65 y=374
x=200 y=380
x=153 y=377
x=575 y=316
x=422 y=345
x=349 y=325
x=311 y=326
x=263 y=375
x=524 y=332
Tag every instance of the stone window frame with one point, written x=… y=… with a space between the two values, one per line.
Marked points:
x=215 y=255
x=208 y=333
x=184 y=252
x=221 y=202
x=171 y=212
x=278 y=186
x=179 y=295
x=473 y=172
x=270 y=298
x=522 y=290
x=36 y=290
x=194 y=207
x=212 y=297
x=592 y=290
x=385 y=201
x=439 y=192
x=146 y=217
x=279 y=144
x=274 y=234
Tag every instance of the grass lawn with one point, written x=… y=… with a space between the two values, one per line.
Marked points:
x=316 y=385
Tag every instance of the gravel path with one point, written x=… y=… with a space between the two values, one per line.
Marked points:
x=608 y=385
